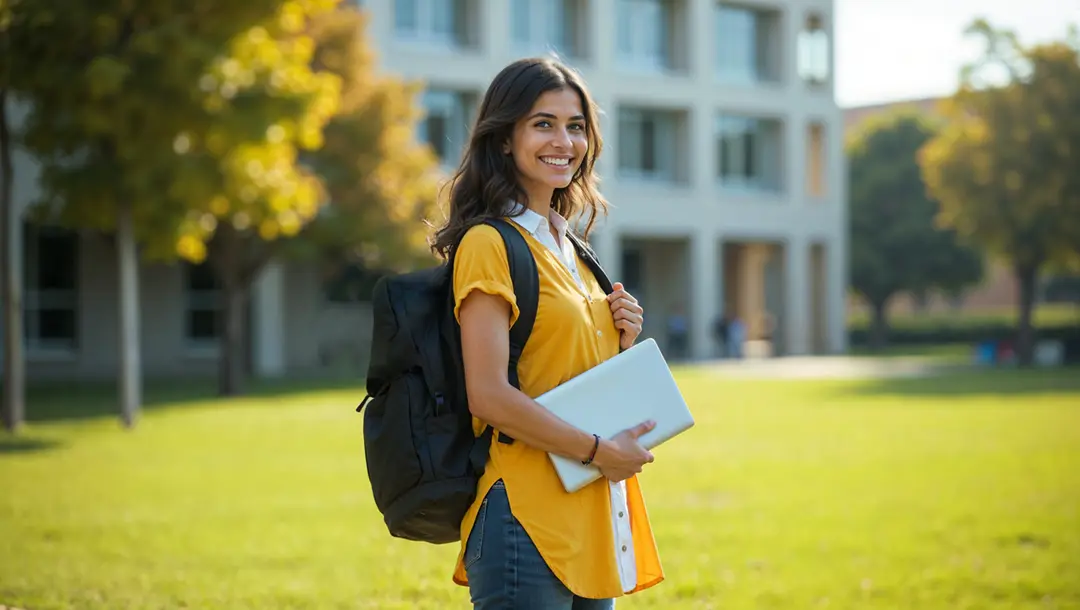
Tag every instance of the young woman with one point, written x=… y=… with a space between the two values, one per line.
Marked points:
x=526 y=543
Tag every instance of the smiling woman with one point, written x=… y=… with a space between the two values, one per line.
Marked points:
x=525 y=541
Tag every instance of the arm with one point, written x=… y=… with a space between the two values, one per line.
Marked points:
x=485 y=345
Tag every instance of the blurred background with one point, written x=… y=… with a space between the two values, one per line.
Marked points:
x=878 y=199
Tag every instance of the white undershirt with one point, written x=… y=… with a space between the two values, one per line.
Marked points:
x=539 y=228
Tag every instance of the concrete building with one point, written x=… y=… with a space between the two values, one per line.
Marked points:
x=723 y=161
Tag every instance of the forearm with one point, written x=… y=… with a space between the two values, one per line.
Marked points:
x=513 y=413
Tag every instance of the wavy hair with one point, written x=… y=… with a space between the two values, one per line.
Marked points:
x=487 y=180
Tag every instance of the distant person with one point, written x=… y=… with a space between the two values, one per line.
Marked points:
x=525 y=542
x=736 y=337
x=720 y=334
x=678 y=329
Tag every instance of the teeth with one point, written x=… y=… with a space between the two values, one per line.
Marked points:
x=559 y=162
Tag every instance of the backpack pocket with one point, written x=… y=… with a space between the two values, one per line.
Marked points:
x=390 y=444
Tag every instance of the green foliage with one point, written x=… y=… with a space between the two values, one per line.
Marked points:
x=1004 y=165
x=895 y=245
x=194 y=113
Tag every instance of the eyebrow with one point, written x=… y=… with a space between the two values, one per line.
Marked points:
x=548 y=115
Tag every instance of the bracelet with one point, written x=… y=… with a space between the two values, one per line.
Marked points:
x=596 y=445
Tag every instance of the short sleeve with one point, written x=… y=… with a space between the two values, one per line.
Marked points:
x=480 y=264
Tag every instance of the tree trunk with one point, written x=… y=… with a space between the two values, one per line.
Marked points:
x=13 y=410
x=233 y=346
x=130 y=381
x=1026 y=277
x=879 y=324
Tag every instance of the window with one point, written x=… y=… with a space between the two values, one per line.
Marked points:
x=51 y=284
x=748 y=152
x=437 y=21
x=747 y=44
x=633 y=270
x=203 y=305
x=814 y=52
x=542 y=26
x=648 y=143
x=445 y=126
x=644 y=33
x=815 y=160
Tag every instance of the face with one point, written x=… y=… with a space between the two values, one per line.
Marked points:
x=549 y=143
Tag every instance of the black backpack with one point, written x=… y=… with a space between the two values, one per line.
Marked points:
x=423 y=459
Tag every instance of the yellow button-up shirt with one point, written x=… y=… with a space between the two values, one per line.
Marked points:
x=572 y=333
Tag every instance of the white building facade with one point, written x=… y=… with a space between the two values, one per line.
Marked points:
x=723 y=155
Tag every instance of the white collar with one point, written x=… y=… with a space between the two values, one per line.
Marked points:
x=533 y=222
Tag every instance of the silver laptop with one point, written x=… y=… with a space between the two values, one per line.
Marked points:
x=619 y=393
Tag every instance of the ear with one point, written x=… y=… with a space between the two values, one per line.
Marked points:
x=506 y=147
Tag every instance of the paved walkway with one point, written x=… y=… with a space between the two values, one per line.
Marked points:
x=834 y=367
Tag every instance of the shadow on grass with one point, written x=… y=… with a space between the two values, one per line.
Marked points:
x=12 y=445
x=973 y=382
x=70 y=401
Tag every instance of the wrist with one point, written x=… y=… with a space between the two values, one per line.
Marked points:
x=603 y=453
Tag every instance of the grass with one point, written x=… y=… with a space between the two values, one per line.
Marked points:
x=955 y=492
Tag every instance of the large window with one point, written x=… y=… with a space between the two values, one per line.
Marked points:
x=648 y=143
x=542 y=26
x=814 y=54
x=747 y=44
x=435 y=21
x=51 y=288
x=748 y=152
x=202 y=306
x=446 y=122
x=644 y=29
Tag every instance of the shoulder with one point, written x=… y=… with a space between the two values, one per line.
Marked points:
x=482 y=238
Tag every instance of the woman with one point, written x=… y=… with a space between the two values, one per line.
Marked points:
x=526 y=543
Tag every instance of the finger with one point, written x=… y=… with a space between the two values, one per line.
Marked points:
x=626 y=304
x=624 y=314
x=616 y=295
x=642 y=428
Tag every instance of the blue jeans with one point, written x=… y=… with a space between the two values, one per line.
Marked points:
x=507 y=572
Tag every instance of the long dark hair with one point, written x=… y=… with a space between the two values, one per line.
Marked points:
x=487 y=181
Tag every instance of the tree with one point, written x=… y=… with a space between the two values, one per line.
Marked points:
x=1004 y=166
x=13 y=407
x=895 y=246
x=168 y=122
x=379 y=184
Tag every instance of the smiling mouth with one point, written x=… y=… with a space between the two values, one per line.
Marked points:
x=556 y=161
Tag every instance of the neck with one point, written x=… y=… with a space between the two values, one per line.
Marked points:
x=540 y=200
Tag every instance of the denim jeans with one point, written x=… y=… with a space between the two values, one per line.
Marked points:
x=507 y=572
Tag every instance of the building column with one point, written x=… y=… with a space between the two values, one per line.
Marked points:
x=751 y=296
x=836 y=278
x=268 y=327
x=608 y=252
x=705 y=293
x=796 y=296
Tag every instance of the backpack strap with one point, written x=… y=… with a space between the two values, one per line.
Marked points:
x=526 y=279
x=586 y=253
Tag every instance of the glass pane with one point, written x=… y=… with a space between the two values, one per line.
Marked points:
x=56 y=325
x=203 y=324
x=629 y=140
x=201 y=277
x=648 y=145
x=519 y=21
x=56 y=268
x=406 y=15
x=442 y=18
x=736 y=43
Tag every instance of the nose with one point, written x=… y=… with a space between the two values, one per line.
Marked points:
x=561 y=139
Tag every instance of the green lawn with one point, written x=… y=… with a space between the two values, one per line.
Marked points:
x=946 y=493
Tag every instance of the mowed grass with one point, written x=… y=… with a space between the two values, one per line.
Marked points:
x=942 y=493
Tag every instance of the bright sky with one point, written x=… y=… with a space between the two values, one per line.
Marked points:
x=899 y=49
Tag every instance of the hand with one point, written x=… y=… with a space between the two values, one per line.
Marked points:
x=622 y=457
x=628 y=315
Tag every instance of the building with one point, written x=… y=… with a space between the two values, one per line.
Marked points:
x=723 y=161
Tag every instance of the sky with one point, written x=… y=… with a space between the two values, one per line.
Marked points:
x=889 y=50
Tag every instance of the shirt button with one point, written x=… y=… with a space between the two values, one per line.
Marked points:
x=624 y=548
x=599 y=333
x=620 y=514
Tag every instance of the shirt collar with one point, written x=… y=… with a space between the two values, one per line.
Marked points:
x=533 y=222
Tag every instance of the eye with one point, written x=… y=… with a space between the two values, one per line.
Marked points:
x=578 y=126
x=543 y=123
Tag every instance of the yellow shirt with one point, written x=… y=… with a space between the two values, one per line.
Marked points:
x=571 y=334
